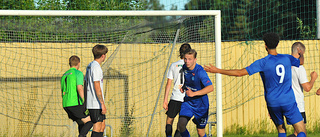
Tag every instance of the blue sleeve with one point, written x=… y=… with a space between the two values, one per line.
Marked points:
x=294 y=61
x=204 y=78
x=256 y=66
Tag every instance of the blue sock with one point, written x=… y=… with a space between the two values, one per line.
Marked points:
x=185 y=133
x=205 y=135
x=282 y=135
x=301 y=134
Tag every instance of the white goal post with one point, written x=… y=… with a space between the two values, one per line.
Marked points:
x=215 y=13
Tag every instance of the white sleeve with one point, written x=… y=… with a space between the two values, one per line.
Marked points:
x=170 y=72
x=302 y=75
x=96 y=73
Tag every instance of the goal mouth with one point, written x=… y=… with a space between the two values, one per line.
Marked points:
x=36 y=46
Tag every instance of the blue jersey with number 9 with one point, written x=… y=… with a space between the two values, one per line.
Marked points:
x=275 y=72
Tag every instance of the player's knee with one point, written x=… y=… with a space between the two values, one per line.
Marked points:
x=168 y=130
x=182 y=124
x=284 y=127
x=103 y=126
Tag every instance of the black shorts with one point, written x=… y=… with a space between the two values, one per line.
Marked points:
x=96 y=116
x=76 y=112
x=303 y=114
x=173 y=108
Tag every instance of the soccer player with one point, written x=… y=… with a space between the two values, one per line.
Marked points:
x=275 y=72
x=175 y=73
x=300 y=81
x=73 y=96
x=196 y=103
x=94 y=83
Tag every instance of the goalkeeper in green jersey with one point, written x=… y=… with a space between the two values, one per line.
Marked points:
x=73 y=96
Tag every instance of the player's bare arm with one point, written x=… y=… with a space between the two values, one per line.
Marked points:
x=99 y=96
x=166 y=93
x=233 y=72
x=203 y=91
x=308 y=85
x=80 y=91
x=318 y=92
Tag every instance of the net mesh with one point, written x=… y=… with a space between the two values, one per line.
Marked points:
x=34 y=53
x=34 y=58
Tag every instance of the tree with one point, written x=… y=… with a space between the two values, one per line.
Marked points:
x=17 y=4
x=51 y=5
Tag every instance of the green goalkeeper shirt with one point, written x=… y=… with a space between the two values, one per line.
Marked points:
x=69 y=82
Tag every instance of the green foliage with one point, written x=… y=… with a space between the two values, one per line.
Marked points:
x=306 y=32
x=241 y=19
x=252 y=129
x=127 y=122
x=17 y=4
x=236 y=129
x=51 y=5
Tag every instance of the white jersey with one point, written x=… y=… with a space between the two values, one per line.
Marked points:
x=299 y=76
x=93 y=73
x=175 y=72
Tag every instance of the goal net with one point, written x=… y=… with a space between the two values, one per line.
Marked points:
x=35 y=47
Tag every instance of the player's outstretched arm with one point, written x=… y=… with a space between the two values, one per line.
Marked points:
x=308 y=85
x=232 y=72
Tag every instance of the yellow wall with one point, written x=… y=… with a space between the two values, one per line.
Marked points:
x=30 y=102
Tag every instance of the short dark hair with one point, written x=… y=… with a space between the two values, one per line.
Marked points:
x=74 y=60
x=271 y=40
x=297 y=44
x=185 y=47
x=192 y=52
x=99 y=50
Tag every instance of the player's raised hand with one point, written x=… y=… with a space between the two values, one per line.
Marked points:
x=314 y=75
x=318 y=92
x=211 y=68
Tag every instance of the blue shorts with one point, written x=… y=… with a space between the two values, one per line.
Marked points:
x=291 y=112
x=200 y=114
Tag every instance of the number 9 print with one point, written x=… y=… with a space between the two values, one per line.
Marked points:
x=280 y=73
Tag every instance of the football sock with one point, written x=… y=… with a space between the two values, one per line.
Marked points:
x=301 y=134
x=80 y=126
x=177 y=134
x=282 y=135
x=95 y=134
x=169 y=130
x=185 y=133
x=79 y=121
x=85 y=128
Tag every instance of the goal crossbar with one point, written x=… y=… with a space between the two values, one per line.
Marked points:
x=107 y=13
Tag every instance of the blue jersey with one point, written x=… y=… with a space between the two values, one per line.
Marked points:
x=195 y=80
x=275 y=72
